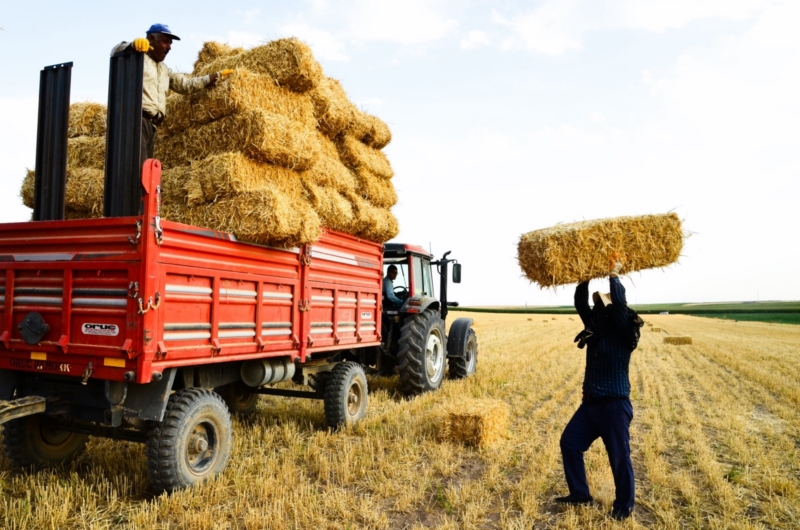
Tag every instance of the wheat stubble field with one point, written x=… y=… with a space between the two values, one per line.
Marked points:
x=716 y=444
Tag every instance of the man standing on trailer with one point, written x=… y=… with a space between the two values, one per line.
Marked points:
x=606 y=410
x=159 y=79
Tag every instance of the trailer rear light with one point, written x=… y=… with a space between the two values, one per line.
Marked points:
x=38 y=356
x=412 y=310
x=116 y=363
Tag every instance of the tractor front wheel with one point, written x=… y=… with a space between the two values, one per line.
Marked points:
x=192 y=443
x=421 y=354
x=465 y=365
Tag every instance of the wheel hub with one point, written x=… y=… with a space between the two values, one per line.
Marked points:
x=201 y=447
x=434 y=357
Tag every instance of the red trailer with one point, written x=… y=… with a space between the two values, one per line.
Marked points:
x=135 y=328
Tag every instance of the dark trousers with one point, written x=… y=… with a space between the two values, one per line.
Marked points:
x=611 y=422
x=148 y=141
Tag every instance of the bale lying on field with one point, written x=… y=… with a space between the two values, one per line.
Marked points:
x=260 y=135
x=677 y=340
x=239 y=92
x=475 y=422
x=577 y=252
x=86 y=119
x=658 y=330
x=289 y=62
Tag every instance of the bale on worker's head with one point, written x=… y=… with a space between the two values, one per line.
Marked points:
x=578 y=252
x=332 y=108
x=86 y=119
x=87 y=152
x=260 y=135
x=211 y=51
x=239 y=92
x=227 y=175
x=357 y=155
x=672 y=339
x=288 y=61
x=474 y=422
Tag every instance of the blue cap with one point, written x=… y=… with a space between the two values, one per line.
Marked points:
x=162 y=28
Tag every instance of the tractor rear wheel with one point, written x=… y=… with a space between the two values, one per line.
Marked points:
x=345 y=395
x=37 y=442
x=239 y=399
x=421 y=354
x=465 y=366
x=192 y=443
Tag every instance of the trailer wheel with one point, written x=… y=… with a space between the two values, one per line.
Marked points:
x=240 y=400
x=421 y=355
x=37 y=442
x=461 y=367
x=192 y=443
x=345 y=395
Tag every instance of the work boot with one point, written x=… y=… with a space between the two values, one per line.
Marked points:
x=573 y=500
x=620 y=514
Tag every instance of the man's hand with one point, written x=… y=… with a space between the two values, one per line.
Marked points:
x=141 y=45
x=616 y=267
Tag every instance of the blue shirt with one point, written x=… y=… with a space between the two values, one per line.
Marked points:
x=608 y=358
x=388 y=291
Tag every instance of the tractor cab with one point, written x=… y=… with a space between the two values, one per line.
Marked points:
x=414 y=341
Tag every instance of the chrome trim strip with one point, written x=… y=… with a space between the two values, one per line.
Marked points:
x=43 y=300
x=321 y=330
x=275 y=332
x=237 y=325
x=236 y=334
x=187 y=336
x=322 y=298
x=238 y=293
x=276 y=325
x=279 y=296
x=111 y=302
x=185 y=289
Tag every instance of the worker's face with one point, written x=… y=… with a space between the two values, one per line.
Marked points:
x=392 y=274
x=161 y=44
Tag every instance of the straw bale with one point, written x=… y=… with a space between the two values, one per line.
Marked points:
x=87 y=152
x=86 y=119
x=369 y=129
x=372 y=222
x=266 y=215
x=230 y=174
x=288 y=61
x=239 y=92
x=332 y=109
x=475 y=422
x=335 y=211
x=658 y=330
x=260 y=135
x=677 y=340
x=329 y=172
x=83 y=190
x=648 y=323
x=357 y=155
x=211 y=51
x=577 y=252
x=379 y=191
x=27 y=190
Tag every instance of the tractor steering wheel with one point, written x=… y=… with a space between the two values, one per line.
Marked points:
x=401 y=292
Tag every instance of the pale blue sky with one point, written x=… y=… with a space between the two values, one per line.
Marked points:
x=510 y=116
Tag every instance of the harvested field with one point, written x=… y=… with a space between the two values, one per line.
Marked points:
x=714 y=442
x=577 y=252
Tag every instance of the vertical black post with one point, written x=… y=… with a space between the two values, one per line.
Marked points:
x=51 y=142
x=443 y=268
x=123 y=178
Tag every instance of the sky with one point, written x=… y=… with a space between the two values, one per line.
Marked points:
x=510 y=116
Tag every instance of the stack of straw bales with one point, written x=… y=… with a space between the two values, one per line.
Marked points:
x=677 y=340
x=577 y=252
x=475 y=422
x=272 y=154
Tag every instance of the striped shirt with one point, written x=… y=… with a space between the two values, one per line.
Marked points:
x=608 y=358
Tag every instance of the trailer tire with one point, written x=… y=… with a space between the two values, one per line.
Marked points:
x=346 y=396
x=464 y=366
x=192 y=443
x=240 y=400
x=421 y=354
x=37 y=442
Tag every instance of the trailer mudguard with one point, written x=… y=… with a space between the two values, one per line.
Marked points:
x=457 y=339
x=148 y=402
